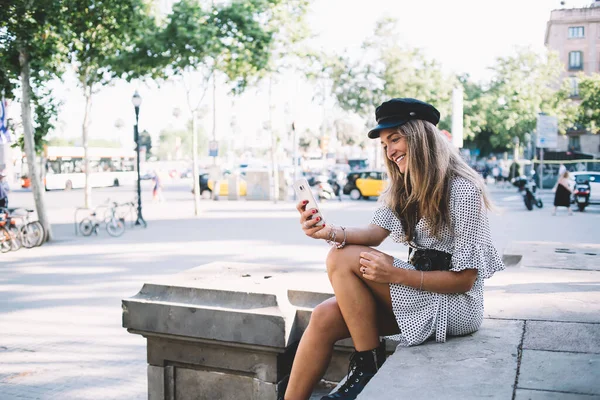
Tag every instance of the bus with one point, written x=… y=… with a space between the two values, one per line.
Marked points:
x=64 y=167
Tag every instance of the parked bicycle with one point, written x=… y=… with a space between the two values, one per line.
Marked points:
x=127 y=212
x=31 y=232
x=10 y=239
x=115 y=225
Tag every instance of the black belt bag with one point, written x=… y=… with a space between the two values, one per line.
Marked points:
x=430 y=260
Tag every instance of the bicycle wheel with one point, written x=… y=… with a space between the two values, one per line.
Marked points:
x=15 y=238
x=115 y=227
x=86 y=227
x=32 y=234
x=5 y=244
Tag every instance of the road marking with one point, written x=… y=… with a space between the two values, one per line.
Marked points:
x=512 y=198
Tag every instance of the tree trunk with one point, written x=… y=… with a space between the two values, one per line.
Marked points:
x=28 y=136
x=273 y=144
x=195 y=175
x=87 y=91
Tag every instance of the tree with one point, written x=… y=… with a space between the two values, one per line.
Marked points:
x=31 y=53
x=96 y=33
x=386 y=70
x=523 y=86
x=589 y=109
x=230 y=38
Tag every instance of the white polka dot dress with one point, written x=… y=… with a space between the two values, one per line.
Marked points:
x=421 y=314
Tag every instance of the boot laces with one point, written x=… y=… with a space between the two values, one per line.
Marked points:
x=351 y=379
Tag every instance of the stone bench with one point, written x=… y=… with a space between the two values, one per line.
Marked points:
x=225 y=329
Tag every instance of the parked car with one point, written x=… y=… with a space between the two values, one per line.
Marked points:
x=207 y=186
x=365 y=184
x=590 y=177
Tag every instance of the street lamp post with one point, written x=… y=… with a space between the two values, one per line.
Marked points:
x=137 y=101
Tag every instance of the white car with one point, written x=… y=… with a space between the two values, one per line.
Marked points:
x=592 y=177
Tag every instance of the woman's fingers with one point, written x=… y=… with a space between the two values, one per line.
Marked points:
x=300 y=206
x=310 y=223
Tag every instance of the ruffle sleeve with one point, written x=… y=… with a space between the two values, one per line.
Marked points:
x=387 y=219
x=473 y=247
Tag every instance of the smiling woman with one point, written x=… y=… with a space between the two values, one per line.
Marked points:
x=434 y=203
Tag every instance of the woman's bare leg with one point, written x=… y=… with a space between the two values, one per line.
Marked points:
x=327 y=324
x=314 y=352
x=359 y=299
x=326 y=327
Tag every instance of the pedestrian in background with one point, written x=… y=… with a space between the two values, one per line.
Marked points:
x=562 y=194
x=4 y=189
x=157 y=189
x=437 y=205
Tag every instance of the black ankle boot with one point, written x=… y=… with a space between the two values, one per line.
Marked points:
x=363 y=366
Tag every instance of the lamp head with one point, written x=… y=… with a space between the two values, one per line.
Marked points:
x=136 y=100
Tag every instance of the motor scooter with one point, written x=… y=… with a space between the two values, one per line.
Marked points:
x=322 y=188
x=581 y=194
x=527 y=187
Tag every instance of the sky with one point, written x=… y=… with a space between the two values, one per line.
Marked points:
x=464 y=36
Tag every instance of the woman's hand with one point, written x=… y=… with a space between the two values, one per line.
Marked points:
x=377 y=267
x=308 y=222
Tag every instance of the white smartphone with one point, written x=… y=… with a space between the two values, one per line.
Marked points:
x=304 y=192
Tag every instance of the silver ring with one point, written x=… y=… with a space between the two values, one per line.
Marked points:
x=363 y=270
x=305 y=225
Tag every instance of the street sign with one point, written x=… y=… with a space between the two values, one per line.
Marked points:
x=213 y=148
x=547 y=131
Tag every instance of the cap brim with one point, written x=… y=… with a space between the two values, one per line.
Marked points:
x=374 y=133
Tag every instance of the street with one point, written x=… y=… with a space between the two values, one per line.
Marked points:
x=60 y=311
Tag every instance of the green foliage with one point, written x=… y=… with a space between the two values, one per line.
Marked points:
x=45 y=110
x=386 y=70
x=589 y=109
x=106 y=143
x=525 y=85
x=61 y=142
x=34 y=29
x=230 y=38
x=98 y=31
x=171 y=141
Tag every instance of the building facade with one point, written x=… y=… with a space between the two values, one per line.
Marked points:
x=575 y=34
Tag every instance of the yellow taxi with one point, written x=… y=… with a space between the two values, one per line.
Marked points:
x=207 y=186
x=224 y=187
x=365 y=184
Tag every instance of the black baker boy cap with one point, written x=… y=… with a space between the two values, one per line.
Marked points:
x=397 y=112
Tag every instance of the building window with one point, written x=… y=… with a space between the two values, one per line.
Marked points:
x=574 y=143
x=575 y=32
x=576 y=60
x=574 y=87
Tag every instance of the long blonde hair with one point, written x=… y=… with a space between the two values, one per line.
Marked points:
x=423 y=191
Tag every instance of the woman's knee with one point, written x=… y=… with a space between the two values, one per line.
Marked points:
x=326 y=320
x=341 y=259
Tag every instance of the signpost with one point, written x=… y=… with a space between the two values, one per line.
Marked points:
x=213 y=148
x=547 y=137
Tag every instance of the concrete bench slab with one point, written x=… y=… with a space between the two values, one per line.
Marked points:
x=576 y=373
x=481 y=365
x=522 y=394
x=562 y=336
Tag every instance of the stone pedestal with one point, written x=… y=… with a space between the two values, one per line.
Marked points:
x=227 y=330
x=258 y=185
x=233 y=187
